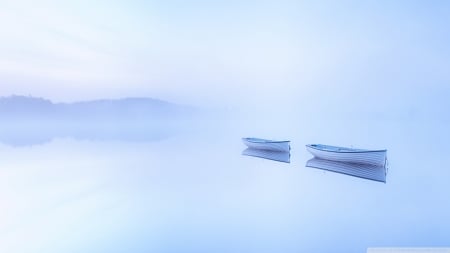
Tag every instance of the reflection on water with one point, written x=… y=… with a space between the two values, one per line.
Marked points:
x=41 y=132
x=71 y=195
x=268 y=154
x=367 y=171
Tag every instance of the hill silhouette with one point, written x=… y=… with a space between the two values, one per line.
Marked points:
x=32 y=108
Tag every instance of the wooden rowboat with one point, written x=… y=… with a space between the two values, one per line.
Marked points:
x=257 y=143
x=348 y=155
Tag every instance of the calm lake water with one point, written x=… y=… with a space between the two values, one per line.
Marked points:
x=193 y=191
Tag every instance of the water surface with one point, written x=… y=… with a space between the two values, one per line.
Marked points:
x=194 y=191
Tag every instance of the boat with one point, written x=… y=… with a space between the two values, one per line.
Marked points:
x=366 y=171
x=349 y=155
x=263 y=144
x=279 y=156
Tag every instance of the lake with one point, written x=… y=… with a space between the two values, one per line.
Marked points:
x=192 y=190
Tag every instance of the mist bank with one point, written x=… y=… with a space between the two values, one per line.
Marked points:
x=133 y=109
x=32 y=121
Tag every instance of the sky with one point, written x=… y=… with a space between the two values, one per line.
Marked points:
x=301 y=62
x=229 y=53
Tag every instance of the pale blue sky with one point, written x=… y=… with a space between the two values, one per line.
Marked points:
x=239 y=53
x=304 y=63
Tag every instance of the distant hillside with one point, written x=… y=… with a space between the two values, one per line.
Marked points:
x=32 y=108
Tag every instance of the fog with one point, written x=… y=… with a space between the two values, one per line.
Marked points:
x=121 y=125
x=189 y=185
x=372 y=57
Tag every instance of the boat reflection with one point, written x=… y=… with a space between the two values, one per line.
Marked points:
x=366 y=171
x=278 y=156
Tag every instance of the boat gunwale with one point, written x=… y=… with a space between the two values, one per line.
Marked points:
x=344 y=151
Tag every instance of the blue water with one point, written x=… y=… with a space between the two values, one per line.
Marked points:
x=193 y=191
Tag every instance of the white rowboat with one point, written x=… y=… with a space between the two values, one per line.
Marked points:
x=348 y=155
x=256 y=143
x=367 y=171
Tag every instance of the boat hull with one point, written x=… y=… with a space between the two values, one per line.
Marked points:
x=281 y=146
x=347 y=155
x=366 y=171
